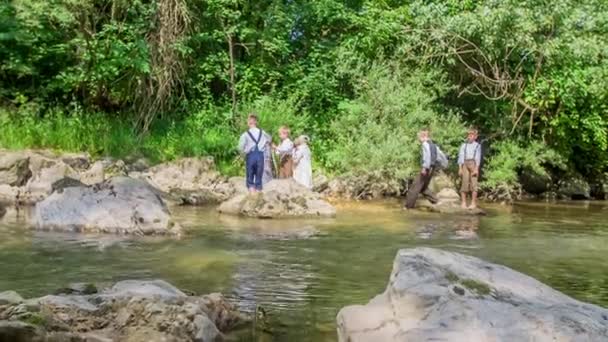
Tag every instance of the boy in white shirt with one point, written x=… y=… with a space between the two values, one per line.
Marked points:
x=252 y=144
x=469 y=159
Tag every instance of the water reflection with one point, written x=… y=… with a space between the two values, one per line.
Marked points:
x=301 y=272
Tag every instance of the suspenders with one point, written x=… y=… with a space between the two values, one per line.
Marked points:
x=256 y=142
x=474 y=152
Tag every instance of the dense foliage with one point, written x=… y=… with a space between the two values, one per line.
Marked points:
x=168 y=78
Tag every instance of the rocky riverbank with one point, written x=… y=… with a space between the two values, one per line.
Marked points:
x=434 y=295
x=71 y=192
x=130 y=310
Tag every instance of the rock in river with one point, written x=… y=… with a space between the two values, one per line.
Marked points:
x=131 y=310
x=435 y=295
x=281 y=198
x=119 y=205
x=193 y=181
x=449 y=203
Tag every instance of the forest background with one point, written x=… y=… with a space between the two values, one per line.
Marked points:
x=163 y=79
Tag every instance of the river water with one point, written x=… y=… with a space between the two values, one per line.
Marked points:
x=300 y=273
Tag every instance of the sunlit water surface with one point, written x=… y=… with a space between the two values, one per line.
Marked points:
x=302 y=272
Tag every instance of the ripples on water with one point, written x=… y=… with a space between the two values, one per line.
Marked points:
x=302 y=272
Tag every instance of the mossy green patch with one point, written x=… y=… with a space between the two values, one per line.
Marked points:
x=476 y=286
x=451 y=277
x=89 y=288
x=35 y=319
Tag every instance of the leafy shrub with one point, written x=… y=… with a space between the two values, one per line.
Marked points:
x=376 y=133
x=508 y=159
x=274 y=113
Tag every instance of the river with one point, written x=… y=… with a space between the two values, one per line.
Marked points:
x=300 y=273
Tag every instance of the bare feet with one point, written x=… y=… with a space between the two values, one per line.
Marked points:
x=473 y=206
x=463 y=205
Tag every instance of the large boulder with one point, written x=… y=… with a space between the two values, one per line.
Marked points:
x=280 y=198
x=132 y=310
x=435 y=295
x=574 y=187
x=535 y=183
x=119 y=205
x=193 y=181
x=599 y=187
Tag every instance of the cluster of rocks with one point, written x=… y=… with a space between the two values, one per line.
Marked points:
x=130 y=310
x=569 y=186
x=281 y=198
x=73 y=193
x=435 y=295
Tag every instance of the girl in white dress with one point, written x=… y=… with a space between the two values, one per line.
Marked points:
x=302 y=160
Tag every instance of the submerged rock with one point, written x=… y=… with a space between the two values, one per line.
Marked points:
x=435 y=295
x=281 y=198
x=132 y=310
x=119 y=205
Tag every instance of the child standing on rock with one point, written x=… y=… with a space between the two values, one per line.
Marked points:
x=252 y=144
x=302 y=160
x=285 y=153
x=469 y=159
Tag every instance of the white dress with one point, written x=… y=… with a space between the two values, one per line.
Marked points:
x=302 y=172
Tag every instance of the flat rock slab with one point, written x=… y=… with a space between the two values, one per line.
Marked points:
x=281 y=198
x=120 y=205
x=434 y=295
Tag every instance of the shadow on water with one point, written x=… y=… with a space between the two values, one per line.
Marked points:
x=297 y=274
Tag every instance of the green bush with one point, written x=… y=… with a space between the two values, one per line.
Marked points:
x=376 y=133
x=508 y=159
x=274 y=113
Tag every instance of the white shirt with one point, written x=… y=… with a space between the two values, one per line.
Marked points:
x=470 y=151
x=285 y=147
x=246 y=144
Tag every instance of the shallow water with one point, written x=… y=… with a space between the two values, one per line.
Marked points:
x=302 y=272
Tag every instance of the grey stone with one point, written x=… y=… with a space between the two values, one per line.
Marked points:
x=535 y=183
x=144 y=288
x=435 y=295
x=14 y=168
x=10 y=297
x=119 y=205
x=205 y=330
x=193 y=181
x=16 y=331
x=76 y=302
x=574 y=187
